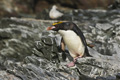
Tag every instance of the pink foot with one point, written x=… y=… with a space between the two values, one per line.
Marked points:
x=77 y=58
x=71 y=64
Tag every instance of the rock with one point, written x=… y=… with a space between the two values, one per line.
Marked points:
x=115 y=5
x=15 y=8
x=6 y=76
x=29 y=52
x=103 y=26
x=21 y=8
x=47 y=41
x=116 y=22
x=118 y=76
x=37 y=4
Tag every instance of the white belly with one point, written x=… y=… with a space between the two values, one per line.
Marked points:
x=73 y=42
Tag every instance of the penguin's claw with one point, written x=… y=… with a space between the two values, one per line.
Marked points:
x=71 y=64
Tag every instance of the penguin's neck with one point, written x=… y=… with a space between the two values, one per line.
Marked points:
x=68 y=33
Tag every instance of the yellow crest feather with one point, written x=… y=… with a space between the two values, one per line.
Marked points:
x=57 y=23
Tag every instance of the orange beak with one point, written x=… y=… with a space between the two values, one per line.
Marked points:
x=50 y=28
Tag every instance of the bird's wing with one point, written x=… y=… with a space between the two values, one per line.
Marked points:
x=60 y=11
x=62 y=45
x=80 y=34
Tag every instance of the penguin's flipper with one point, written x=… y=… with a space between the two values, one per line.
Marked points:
x=62 y=45
x=80 y=34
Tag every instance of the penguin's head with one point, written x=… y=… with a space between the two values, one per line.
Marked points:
x=62 y=26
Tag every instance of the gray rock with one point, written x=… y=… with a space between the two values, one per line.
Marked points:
x=6 y=76
x=30 y=52
x=104 y=26
x=116 y=21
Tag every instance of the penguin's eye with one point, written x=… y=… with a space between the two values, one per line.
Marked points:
x=67 y=24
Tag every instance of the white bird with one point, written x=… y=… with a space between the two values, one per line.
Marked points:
x=54 y=13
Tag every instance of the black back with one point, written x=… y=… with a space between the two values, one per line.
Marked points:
x=80 y=34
